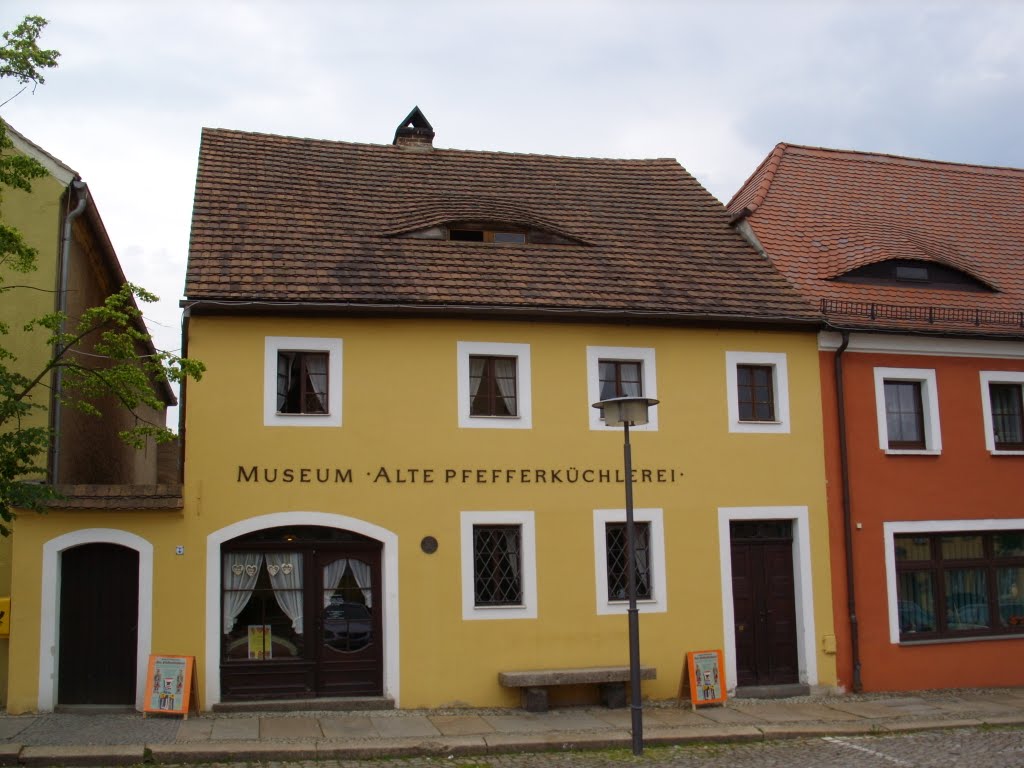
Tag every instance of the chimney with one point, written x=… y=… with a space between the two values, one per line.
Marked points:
x=414 y=132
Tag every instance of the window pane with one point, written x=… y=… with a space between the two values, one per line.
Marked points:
x=1010 y=582
x=263 y=606
x=964 y=547
x=913 y=548
x=510 y=237
x=904 y=414
x=755 y=392
x=620 y=378
x=497 y=566
x=302 y=382
x=1007 y=417
x=615 y=552
x=492 y=386
x=966 y=599
x=1008 y=544
x=916 y=601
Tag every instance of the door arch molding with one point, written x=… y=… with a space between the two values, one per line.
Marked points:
x=389 y=586
x=50 y=605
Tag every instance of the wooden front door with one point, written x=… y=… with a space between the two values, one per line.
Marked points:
x=302 y=615
x=764 y=602
x=99 y=615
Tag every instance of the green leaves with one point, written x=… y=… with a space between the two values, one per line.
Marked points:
x=20 y=55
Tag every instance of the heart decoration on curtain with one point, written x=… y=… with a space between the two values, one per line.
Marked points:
x=286 y=568
x=250 y=570
x=237 y=569
x=273 y=569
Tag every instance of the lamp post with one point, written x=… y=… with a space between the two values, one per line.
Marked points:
x=627 y=412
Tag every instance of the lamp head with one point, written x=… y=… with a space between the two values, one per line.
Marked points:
x=619 y=411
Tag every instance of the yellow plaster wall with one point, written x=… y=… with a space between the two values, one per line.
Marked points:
x=400 y=412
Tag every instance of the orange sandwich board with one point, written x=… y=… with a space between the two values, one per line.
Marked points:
x=706 y=678
x=169 y=690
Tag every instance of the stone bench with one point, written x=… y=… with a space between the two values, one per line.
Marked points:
x=534 y=683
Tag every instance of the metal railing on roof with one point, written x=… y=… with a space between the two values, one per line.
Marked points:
x=930 y=315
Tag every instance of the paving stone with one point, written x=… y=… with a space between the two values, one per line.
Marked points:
x=9 y=754
x=231 y=752
x=793 y=713
x=907 y=726
x=886 y=708
x=461 y=725
x=198 y=729
x=706 y=733
x=12 y=726
x=290 y=728
x=233 y=729
x=351 y=727
x=727 y=715
x=406 y=726
x=86 y=754
x=559 y=720
x=809 y=730
x=559 y=740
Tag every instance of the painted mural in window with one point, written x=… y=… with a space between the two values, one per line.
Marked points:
x=960 y=584
x=497 y=565
x=302 y=382
x=615 y=552
x=492 y=386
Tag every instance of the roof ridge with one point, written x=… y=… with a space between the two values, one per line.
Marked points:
x=861 y=155
x=766 y=171
x=434 y=150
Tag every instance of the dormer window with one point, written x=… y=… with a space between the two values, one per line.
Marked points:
x=909 y=273
x=486 y=235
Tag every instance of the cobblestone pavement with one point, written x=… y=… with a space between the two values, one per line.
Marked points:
x=978 y=748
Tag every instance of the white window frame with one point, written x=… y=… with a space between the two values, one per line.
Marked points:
x=648 y=375
x=891 y=529
x=780 y=391
x=658 y=603
x=276 y=344
x=528 y=548
x=929 y=409
x=996 y=377
x=524 y=418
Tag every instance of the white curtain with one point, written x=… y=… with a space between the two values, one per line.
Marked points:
x=241 y=570
x=505 y=378
x=316 y=368
x=284 y=375
x=361 y=572
x=285 y=571
x=332 y=577
x=476 y=375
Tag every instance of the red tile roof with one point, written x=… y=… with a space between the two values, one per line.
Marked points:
x=283 y=220
x=128 y=497
x=819 y=213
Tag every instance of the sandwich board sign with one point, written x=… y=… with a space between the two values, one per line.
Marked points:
x=169 y=690
x=705 y=677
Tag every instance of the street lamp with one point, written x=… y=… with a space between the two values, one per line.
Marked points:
x=630 y=412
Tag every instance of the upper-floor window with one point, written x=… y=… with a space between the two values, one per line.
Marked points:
x=757 y=392
x=494 y=385
x=302 y=382
x=907 y=406
x=621 y=372
x=909 y=273
x=486 y=236
x=1002 y=397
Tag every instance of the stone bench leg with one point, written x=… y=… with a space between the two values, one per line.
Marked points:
x=613 y=695
x=535 y=699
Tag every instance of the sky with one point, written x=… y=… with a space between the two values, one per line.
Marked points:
x=714 y=84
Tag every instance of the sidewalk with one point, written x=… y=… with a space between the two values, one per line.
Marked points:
x=118 y=739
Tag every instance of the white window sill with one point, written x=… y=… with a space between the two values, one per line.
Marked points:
x=911 y=452
x=975 y=639
x=1006 y=453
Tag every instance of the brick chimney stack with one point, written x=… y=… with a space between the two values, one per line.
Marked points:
x=414 y=132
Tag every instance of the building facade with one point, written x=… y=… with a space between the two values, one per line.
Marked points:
x=916 y=267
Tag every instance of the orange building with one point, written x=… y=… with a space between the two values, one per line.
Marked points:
x=916 y=267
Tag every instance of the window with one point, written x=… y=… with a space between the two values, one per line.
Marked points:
x=615 y=547
x=906 y=402
x=498 y=566
x=610 y=560
x=757 y=392
x=494 y=385
x=302 y=382
x=1002 y=398
x=959 y=583
x=621 y=372
x=908 y=273
x=486 y=236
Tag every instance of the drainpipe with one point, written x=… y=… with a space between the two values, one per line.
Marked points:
x=62 y=306
x=844 y=469
x=185 y=316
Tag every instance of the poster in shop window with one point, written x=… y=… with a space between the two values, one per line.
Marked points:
x=169 y=690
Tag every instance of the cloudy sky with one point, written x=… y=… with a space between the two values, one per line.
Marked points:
x=714 y=84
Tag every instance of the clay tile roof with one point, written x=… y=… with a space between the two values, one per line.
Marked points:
x=820 y=213
x=283 y=219
x=127 y=497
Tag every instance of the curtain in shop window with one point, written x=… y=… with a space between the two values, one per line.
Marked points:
x=505 y=378
x=361 y=572
x=241 y=570
x=284 y=379
x=332 y=578
x=476 y=375
x=285 y=571
x=316 y=369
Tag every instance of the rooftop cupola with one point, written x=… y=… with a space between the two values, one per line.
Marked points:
x=414 y=131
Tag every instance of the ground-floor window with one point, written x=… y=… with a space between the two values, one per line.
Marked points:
x=959 y=583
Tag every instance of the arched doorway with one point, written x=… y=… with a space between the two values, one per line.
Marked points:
x=99 y=625
x=301 y=614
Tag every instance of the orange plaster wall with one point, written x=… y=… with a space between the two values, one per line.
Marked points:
x=964 y=482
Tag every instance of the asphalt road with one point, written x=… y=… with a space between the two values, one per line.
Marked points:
x=975 y=748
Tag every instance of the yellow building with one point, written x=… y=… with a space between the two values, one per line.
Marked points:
x=395 y=484
x=76 y=268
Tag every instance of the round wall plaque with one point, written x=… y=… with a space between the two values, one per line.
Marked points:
x=429 y=545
